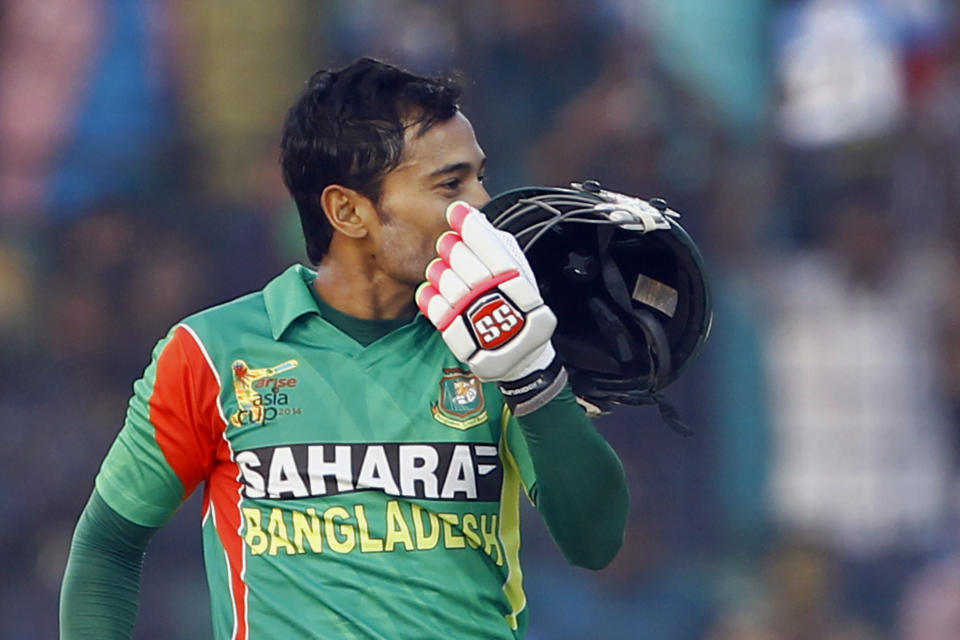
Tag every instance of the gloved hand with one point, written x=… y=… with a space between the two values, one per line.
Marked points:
x=482 y=296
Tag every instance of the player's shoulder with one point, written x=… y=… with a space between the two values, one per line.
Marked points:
x=254 y=313
x=240 y=314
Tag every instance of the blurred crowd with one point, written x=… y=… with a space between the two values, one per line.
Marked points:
x=812 y=147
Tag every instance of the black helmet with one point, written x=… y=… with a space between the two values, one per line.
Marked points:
x=626 y=282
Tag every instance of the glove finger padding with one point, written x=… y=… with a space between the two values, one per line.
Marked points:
x=488 y=310
x=498 y=251
x=481 y=237
x=461 y=259
x=447 y=281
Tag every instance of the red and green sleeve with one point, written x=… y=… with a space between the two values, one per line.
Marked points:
x=165 y=449
x=169 y=442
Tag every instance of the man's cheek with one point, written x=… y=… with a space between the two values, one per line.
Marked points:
x=423 y=259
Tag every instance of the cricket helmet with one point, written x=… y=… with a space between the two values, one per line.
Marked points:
x=626 y=282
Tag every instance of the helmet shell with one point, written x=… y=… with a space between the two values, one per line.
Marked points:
x=621 y=274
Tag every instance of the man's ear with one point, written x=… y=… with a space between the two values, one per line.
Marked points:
x=347 y=210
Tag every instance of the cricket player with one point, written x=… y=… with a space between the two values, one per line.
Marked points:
x=364 y=430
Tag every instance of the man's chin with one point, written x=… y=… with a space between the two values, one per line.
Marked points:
x=421 y=273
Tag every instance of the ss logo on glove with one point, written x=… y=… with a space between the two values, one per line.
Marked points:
x=494 y=320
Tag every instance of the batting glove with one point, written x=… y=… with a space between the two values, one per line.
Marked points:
x=482 y=296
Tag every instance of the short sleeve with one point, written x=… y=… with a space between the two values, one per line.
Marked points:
x=169 y=441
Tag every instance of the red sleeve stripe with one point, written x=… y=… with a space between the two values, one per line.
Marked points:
x=225 y=500
x=185 y=409
x=232 y=547
x=213 y=369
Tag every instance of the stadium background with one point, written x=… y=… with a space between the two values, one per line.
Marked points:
x=812 y=146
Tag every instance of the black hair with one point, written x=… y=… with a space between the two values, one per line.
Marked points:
x=347 y=128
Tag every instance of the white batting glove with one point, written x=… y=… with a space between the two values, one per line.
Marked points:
x=482 y=296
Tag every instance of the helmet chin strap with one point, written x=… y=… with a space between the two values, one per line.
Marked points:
x=658 y=350
x=657 y=343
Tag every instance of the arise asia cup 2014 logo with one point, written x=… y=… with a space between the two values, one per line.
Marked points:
x=461 y=403
x=262 y=393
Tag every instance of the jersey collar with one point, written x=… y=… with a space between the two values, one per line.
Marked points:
x=287 y=297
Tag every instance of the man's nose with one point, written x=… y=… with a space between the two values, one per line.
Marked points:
x=478 y=196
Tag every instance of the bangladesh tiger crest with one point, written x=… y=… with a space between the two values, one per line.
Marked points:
x=461 y=403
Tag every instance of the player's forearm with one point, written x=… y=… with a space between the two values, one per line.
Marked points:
x=101 y=585
x=581 y=489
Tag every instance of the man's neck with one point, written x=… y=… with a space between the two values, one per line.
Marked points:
x=356 y=288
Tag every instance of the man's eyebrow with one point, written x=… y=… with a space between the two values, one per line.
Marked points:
x=456 y=167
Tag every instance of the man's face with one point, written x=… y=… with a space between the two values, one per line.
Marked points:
x=443 y=165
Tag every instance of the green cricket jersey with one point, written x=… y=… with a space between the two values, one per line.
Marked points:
x=350 y=491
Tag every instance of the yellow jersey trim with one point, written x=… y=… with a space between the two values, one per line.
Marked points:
x=509 y=530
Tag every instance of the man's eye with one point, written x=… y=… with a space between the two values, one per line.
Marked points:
x=481 y=178
x=451 y=184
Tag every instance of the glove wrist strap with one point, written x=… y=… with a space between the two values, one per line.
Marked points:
x=534 y=390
